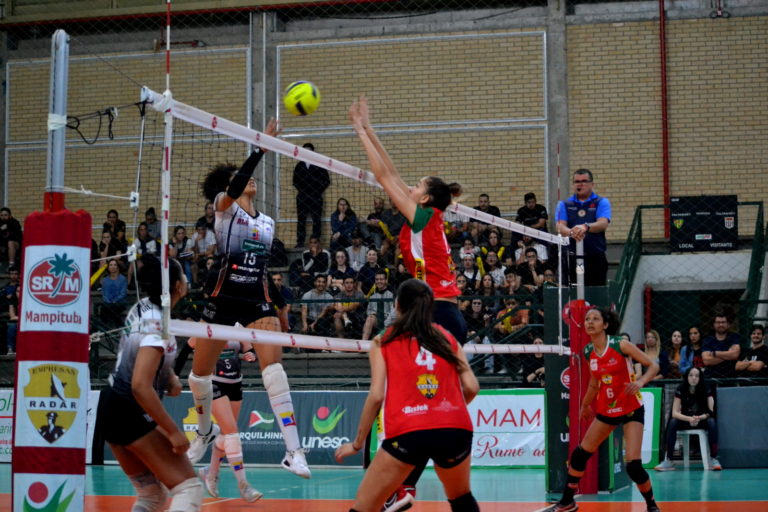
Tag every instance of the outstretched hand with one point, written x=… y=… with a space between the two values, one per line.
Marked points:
x=358 y=113
x=273 y=129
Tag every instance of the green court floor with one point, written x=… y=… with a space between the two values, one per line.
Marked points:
x=521 y=489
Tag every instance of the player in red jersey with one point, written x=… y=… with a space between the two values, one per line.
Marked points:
x=425 y=250
x=617 y=398
x=421 y=376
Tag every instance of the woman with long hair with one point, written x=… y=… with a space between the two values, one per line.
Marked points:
x=422 y=242
x=690 y=354
x=693 y=407
x=343 y=224
x=413 y=363
x=674 y=353
x=240 y=291
x=654 y=350
x=616 y=391
x=147 y=442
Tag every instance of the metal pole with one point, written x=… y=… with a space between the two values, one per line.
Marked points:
x=580 y=270
x=57 y=122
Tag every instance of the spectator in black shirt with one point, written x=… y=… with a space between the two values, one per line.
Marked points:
x=479 y=228
x=310 y=182
x=10 y=235
x=755 y=361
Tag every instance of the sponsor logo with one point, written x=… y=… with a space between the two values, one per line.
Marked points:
x=419 y=409
x=324 y=420
x=55 y=281
x=36 y=499
x=678 y=223
x=52 y=399
x=427 y=385
x=704 y=236
x=261 y=420
x=565 y=378
x=729 y=222
x=607 y=379
x=190 y=423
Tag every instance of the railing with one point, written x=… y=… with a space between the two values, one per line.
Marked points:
x=751 y=298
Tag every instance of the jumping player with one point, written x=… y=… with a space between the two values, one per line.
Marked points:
x=241 y=291
x=148 y=444
x=618 y=402
x=421 y=376
x=425 y=250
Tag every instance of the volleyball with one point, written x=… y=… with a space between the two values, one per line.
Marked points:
x=301 y=98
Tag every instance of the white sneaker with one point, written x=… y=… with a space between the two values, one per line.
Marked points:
x=248 y=493
x=295 y=462
x=666 y=465
x=200 y=443
x=715 y=464
x=210 y=483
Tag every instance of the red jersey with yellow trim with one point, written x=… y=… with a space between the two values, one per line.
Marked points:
x=426 y=253
x=423 y=391
x=613 y=371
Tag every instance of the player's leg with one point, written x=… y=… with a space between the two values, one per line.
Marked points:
x=151 y=495
x=200 y=384
x=380 y=480
x=451 y=451
x=279 y=393
x=633 y=441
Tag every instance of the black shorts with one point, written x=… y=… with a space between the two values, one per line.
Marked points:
x=231 y=390
x=447 y=447
x=447 y=315
x=637 y=415
x=226 y=311
x=122 y=420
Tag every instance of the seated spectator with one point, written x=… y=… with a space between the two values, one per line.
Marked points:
x=108 y=248
x=287 y=293
x=690 y=354
x=357 y=251
x=117 y=227
x=13 y=320
x=144 y=245
x=153 y=225
x=478 y=318
x=349 y=312
x=675 y=352
x=531 y=214
x=490 y=296
x=206 y=270
x=468 y=249
x=479 y=229
x=721 y=350
x=512 y=285
x=9 y=291
x=461 y=284
x=494 y=268
x=531 y=272
x=380 y=306
x=370 y=228
x=692 y=408
x=401 y=275
x=183 y=249
x=533 y=367
x=755 y=361
x=366 y=276
x=317 y=309
x=10 y=235
x=340 y=268
x=204 y=246
x=493 y=244
x=657 y=354
x=114 y=290
x=392 y=222
x=470 y=271
x=511 y=317
x=542 y=254
x=343 y=223
x=315 y=261
x=209 y=218
x=457 y=227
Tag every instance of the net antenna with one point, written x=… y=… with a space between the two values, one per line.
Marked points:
x=178 y=110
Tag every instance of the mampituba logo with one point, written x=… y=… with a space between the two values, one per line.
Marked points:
x=55 y=281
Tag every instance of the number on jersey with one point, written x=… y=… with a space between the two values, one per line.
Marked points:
x=426 y=358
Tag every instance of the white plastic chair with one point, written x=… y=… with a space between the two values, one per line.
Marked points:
x=685 y=435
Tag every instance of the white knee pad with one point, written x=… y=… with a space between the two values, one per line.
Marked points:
x=219 y=442
x=232 y=444
x=200 y=386
x=151 y=495
x=187 y=496
x=275 y=380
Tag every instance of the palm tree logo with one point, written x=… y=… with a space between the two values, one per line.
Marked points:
x=55 y=281
x=61 y=267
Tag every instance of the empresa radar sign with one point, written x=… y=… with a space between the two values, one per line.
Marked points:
x=55 y=291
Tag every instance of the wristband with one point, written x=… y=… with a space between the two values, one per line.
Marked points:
x=587 y=226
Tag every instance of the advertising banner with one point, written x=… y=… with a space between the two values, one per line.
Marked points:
x=44 y=492
x=6 y=424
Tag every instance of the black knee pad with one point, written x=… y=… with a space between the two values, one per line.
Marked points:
x=636 y=472
x=464 y=503
x=579 y=458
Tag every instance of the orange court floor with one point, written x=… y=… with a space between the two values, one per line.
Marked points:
x=497 y=490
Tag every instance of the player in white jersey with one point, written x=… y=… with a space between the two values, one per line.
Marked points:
x=241 y=291
x=148 y=444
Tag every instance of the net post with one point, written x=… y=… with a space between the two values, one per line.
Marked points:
x=580 y=270
x=57 y=122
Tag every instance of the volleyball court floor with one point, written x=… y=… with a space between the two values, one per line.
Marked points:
x=497 y=490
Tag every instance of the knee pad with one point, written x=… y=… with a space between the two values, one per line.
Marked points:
x=275 y=380
x=636 y=472
x=464 y=503
x=579 y=458
x=234 y=450
x=200 y=386
x=151 y=495
x=187 y=496
x=219 y=442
